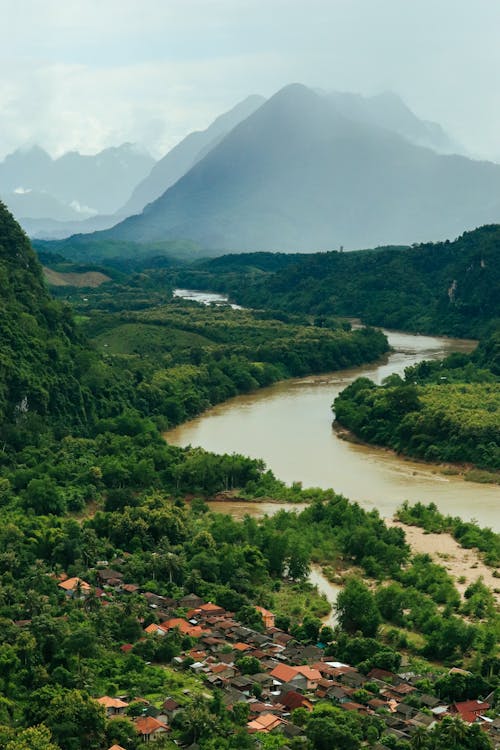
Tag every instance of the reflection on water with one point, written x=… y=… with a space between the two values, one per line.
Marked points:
x=289 y=425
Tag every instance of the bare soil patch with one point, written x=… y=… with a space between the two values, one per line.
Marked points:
x=459 y=562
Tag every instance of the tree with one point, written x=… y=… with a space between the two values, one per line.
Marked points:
x=34 y=738
x=325 y=734
x=76 y=720
x=44 y=497
x=357 y=609
x=194 y=721
x=121 y=731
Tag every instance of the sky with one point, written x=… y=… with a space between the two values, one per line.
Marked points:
x=88 y=74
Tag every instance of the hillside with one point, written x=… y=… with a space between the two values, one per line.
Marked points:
x=39 y=343
x=299 y=175
x=451 y=288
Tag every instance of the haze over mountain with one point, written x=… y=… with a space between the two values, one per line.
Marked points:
x=72 y=187
x=186 y=154
x=387 y=110
x=299 y=174
x=42 y=218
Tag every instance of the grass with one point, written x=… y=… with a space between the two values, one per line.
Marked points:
x=298 y=600
x=143 y=339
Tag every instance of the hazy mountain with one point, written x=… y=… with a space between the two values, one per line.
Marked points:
x=85 y=185
x=183 y=156
x=298 y=174
x=387 y=110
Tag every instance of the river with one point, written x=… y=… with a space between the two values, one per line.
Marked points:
x=289 y=425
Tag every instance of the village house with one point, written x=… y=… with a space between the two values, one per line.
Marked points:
x=267 y=617
x=284 y=673
x=109 y=577
x=113 y=706
x=264 y=723
x=75 y=587
x=150 y=728
x=469 y=711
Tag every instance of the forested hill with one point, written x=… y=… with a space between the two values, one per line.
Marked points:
x=39 y=344
x=447 y=287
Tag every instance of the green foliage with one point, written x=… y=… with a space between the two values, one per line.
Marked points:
x=402 y=288
x=444 y=411
x=357 y=609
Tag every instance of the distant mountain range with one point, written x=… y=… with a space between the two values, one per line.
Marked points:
x=305 y=170
x=47 y=214
x=74 y=186
x=310 y=171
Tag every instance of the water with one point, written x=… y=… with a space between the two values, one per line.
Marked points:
x=289 y=425
x=205 y=298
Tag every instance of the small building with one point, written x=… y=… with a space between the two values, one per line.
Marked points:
x=75 y=587
x=150 y=728
x=264 y=723
x=469 y=711
x=267 y=617
x=113 y=706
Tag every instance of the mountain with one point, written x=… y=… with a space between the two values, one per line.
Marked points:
x=300 y=175
x=182 y=157
x=387 y=110
x=37 y=186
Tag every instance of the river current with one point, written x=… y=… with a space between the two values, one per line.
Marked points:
x=289 y=425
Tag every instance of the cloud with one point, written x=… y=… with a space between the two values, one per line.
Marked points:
x=85 y=74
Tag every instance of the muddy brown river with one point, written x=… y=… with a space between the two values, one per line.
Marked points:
x=289 y=425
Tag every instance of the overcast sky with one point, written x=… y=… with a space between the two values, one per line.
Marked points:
x=86 y=74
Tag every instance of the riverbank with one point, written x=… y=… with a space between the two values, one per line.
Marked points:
x=466 y=472
x=464 y=565
x=289 y=426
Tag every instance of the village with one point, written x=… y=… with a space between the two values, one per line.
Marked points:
x=270 y=674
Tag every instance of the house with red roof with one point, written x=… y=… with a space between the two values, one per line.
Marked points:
x=150 y=728
x=283 y=673
x=264 y=723
x=313 y=676
x=75 y=587
x=469 y=711
x=267 y=617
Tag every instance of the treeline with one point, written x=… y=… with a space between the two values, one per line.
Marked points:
x=446 y=411
x=449 y=288
x=183 y=357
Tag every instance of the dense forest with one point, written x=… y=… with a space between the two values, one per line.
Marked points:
x=442 y=411
x=88 y=484
x=447 y=288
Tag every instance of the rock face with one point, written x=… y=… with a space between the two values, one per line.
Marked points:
x=308 y=171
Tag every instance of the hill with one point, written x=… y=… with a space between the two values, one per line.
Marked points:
x=300 y=175
x=450 y=288
x=39 y=344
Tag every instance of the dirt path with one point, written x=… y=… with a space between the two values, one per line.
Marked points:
x=459 y=562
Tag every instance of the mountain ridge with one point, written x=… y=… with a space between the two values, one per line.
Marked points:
x=297 y=175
